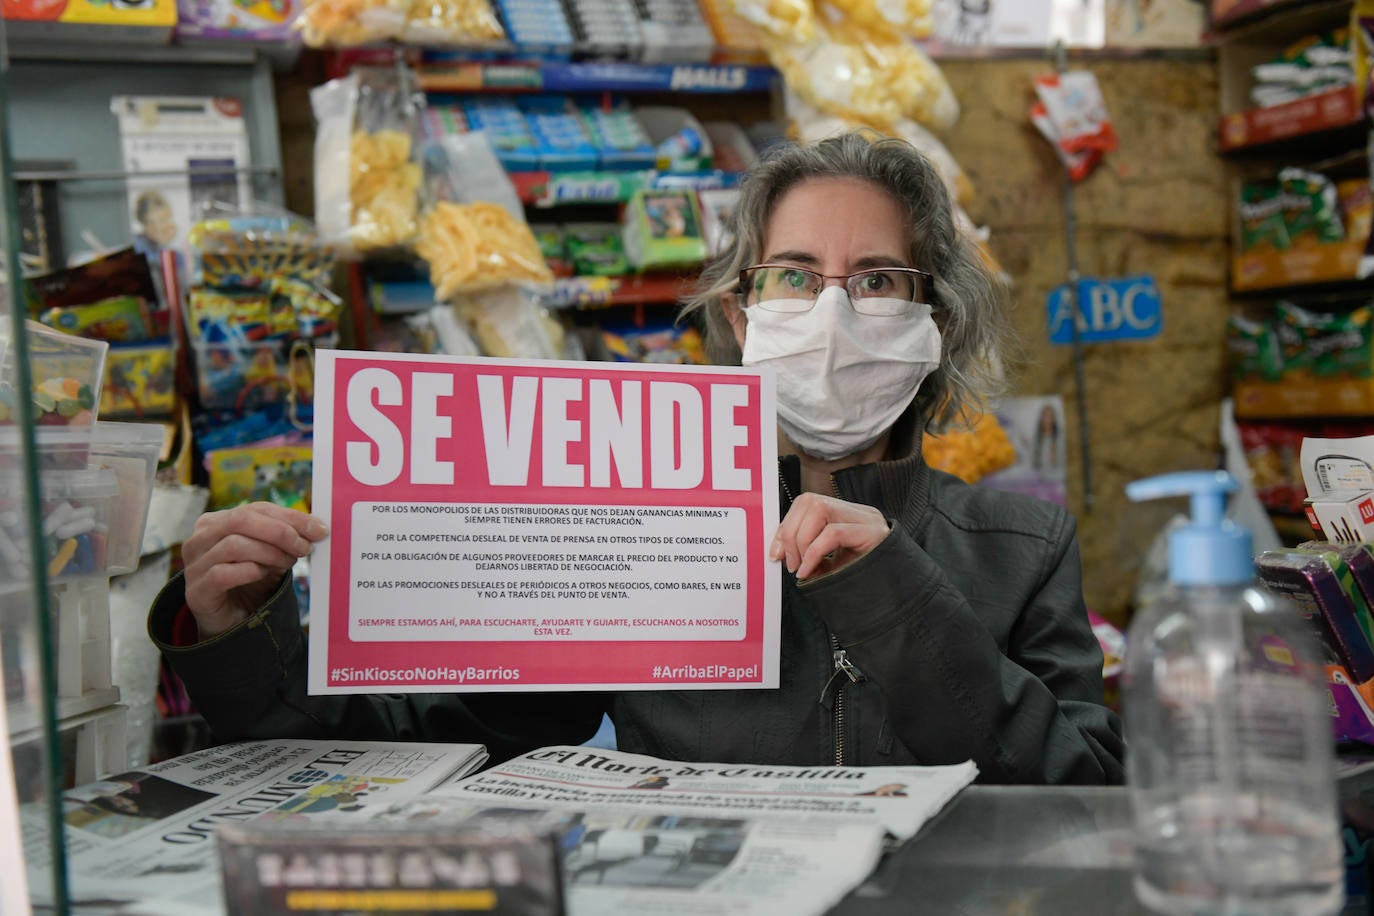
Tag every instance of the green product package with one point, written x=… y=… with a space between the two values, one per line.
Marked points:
x=1311 y=207
x=1332 y=344
x=1261 y=216
x=1254 y=349
x=662 y=228
x=596 y=250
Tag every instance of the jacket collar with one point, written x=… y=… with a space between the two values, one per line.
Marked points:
x=897 y=487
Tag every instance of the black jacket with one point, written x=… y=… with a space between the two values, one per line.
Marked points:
x=965 y=628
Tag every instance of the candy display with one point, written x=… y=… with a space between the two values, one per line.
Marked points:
x=74 y=525
x=674 y=30
x=540 y=26
x=66 y=373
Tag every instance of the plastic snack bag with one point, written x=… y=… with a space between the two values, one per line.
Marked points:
x=787 y=20
x=342 y=23
x=367 y=181
x=1073 y=102
x=451 y=22
x=510 y=323
x=865 y=76
x=908 y=18
x=475 y=237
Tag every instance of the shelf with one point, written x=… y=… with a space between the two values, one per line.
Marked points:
x=1325 y=112
x=1304 y=398
x=1333 y=265
x=563 y=76
x=551 y=189
x=23 y=722
x=585 y=292
x=1229 y=15
x=56 y=47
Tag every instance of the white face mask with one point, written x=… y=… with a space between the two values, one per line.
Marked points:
x=843 y=378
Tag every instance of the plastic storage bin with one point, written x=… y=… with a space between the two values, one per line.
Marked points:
x=75 y=521
x=130 y=451
x=66 y=373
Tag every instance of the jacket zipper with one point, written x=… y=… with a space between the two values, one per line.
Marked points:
x=840 y=658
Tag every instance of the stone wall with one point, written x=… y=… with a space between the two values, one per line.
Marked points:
x=1159 y=205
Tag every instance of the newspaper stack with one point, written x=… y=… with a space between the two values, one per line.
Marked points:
x=148 y=837
x=644 y=835
x=635 y=834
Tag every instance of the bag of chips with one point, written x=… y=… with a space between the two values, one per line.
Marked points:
x=474 y=236
x=367 y=177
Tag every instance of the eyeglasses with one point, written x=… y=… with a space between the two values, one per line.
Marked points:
x=885 y=292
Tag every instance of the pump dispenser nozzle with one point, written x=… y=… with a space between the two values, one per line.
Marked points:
x=1211 y=549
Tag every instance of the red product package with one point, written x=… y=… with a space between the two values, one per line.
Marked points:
x=1073 y=101
x=1080 y=164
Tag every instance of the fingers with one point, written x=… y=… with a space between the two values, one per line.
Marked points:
x=208 y=594
x=243 y=546
x=286 y=529
x=820 y=534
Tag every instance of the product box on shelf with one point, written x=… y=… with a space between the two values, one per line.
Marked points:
x=1302 y=363
x=1318 y=580
x=1299 y=227
x=1287 y=75
x=88 y=20
x=240 y=20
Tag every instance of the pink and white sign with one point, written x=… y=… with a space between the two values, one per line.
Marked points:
x=498 y=525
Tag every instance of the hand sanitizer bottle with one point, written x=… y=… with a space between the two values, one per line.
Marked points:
x=1229 y=764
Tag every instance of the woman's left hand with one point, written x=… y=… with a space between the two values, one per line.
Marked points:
x=822 y=534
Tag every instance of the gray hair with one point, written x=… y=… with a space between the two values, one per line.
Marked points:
x=969 y=297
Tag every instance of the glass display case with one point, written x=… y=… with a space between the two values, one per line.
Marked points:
x=33 y=774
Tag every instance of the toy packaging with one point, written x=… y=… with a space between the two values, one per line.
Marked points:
x=277 y=474
x=253 y=20
x=662 y=228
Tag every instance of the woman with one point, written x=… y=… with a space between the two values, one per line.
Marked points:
x=924 y=621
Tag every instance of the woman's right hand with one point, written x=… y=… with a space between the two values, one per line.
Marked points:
x=235 y=559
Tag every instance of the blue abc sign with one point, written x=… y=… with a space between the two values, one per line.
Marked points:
x=1123 y=309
